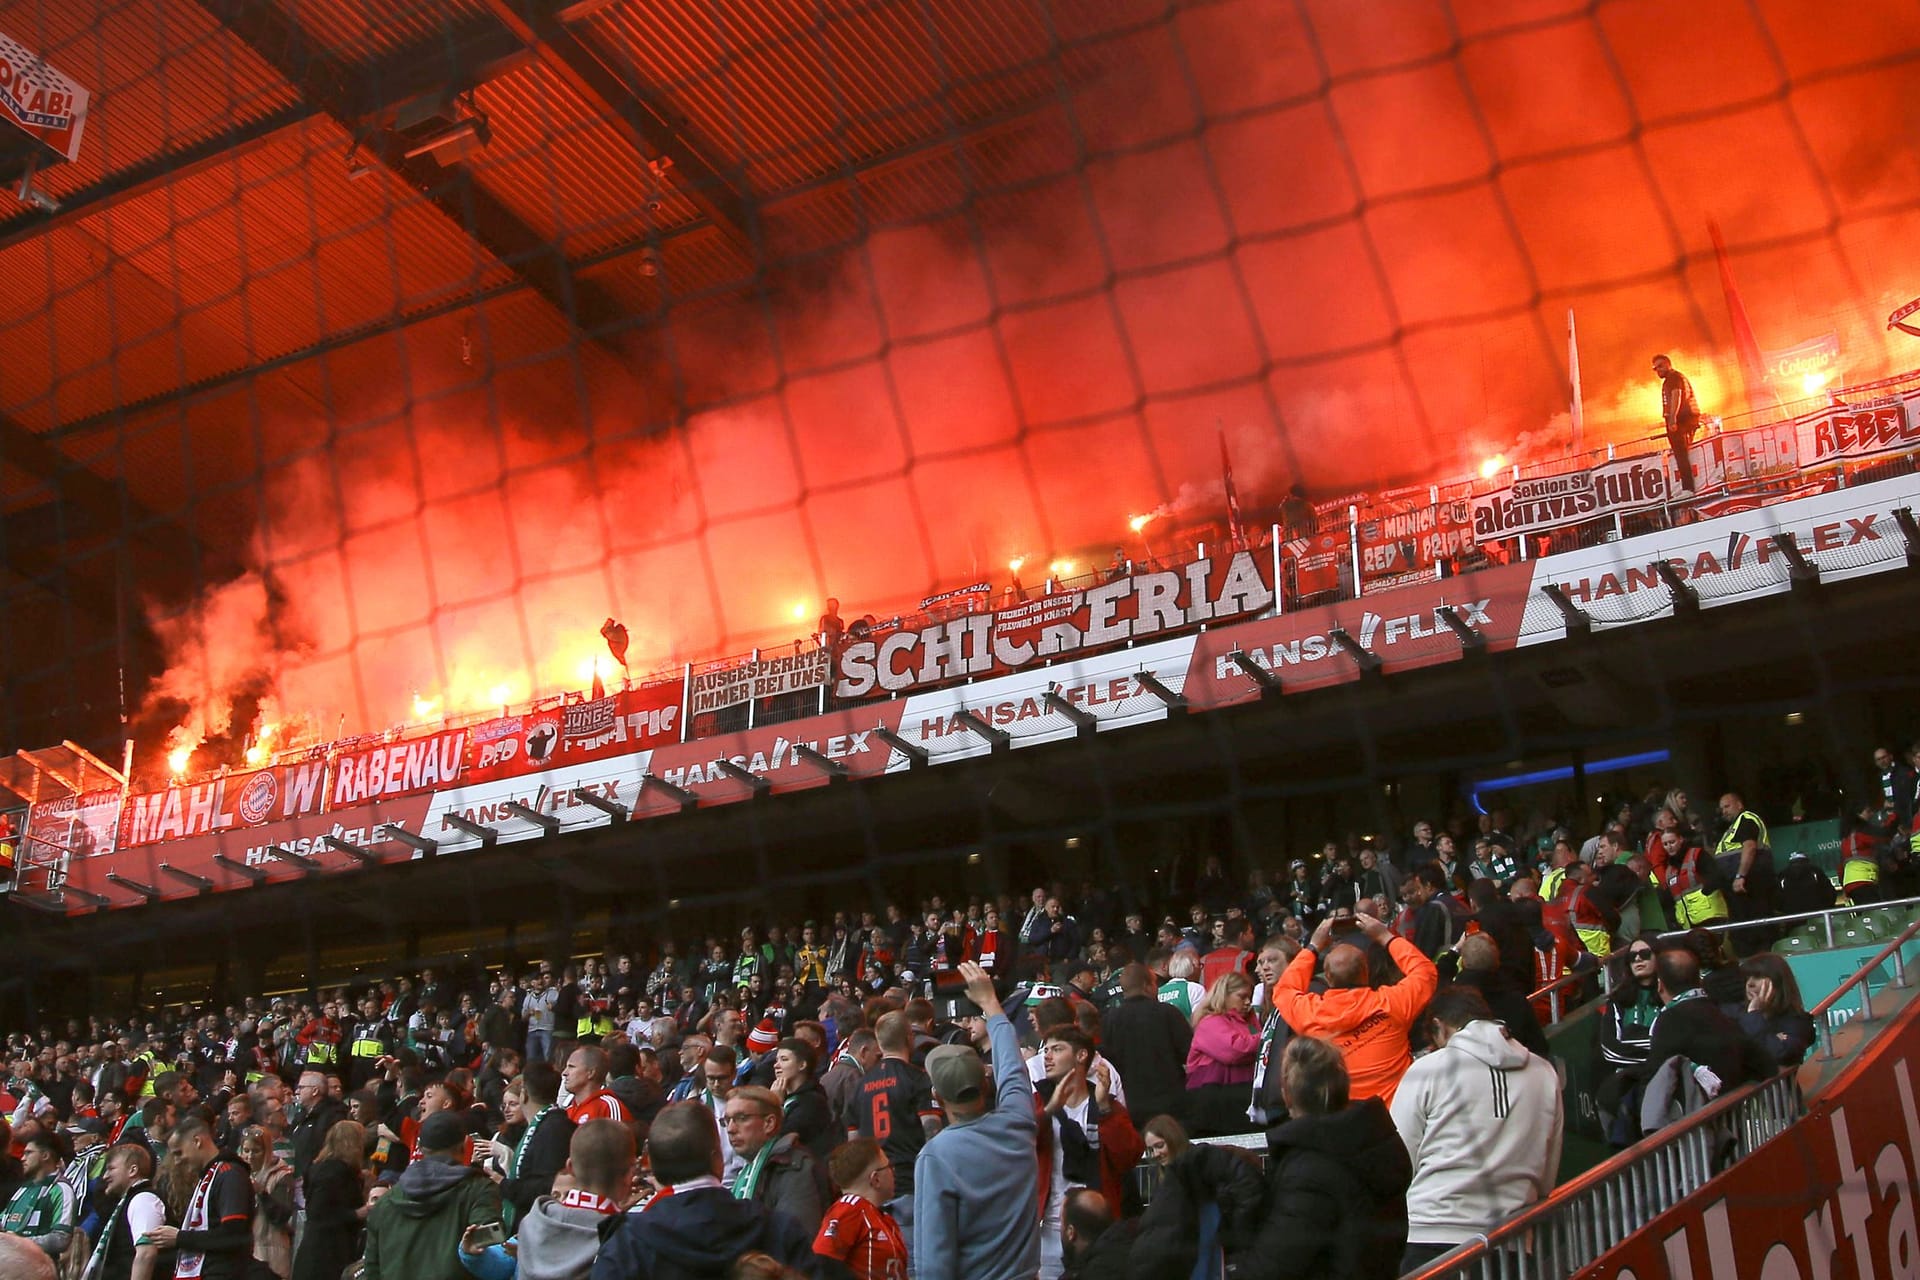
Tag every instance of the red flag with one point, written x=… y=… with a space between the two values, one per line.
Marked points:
x=599 y=685
x=1234 y=528
x=1753 y=368
x=616 y=637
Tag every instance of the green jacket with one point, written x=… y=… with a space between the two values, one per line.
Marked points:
x=42 y=1212
x=414 y=1232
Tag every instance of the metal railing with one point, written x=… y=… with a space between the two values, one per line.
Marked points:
x=1587 y=1217
x=1578 y=977
x=1825 y=916
x=1601 y=1208
x=1822 y=1013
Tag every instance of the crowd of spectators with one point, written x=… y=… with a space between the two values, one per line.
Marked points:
x=962 y=1089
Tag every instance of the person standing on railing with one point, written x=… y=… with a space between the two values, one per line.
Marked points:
x=1680 y=409
x=1481 y=1120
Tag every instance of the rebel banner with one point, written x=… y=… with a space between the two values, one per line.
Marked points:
x=1403 y=629
x=41 y=101
x=1413 y=541
x=1057 y=626
x=248 y=799
x=1846 y=432
x=402 y=768
x=630 y=720
x=761 y=678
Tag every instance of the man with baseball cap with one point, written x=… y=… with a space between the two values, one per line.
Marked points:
x=976 y=1182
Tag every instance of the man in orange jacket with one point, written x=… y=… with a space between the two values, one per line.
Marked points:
x=1368 y=1025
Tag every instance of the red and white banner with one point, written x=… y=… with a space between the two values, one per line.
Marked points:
x=1548 y=502
x=402 y=768
x=1316 y=561
x=1416 y=540
x=627 y=721
x=82 y=826
x=1847 y=432
x=1135 y=607
x=237 y=800
x=1402 y=628
x=1832 y=1196
x=728 y=686
x=45 y=103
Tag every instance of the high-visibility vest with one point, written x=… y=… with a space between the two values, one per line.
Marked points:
x=1860 y=871
x=592 y=1024
x=1729 y=845
x=322 y=1053
x=153 y=1069
x=1691 y=901
x=1592 y=932
x=1550 y=884
x=368 y=1043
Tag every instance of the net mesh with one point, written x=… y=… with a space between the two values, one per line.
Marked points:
x=368 y=355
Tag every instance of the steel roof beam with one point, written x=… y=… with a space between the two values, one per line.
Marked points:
x=343 y=91
x=639 y=112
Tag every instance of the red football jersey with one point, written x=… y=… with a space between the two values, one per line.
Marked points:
x=865 y=1237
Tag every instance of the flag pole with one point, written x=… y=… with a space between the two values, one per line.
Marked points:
x=1573 y=377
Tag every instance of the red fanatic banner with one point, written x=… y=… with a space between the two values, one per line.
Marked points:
x=255 y=847
x=1128 y=608
x=773 y=753
x=631 y=720
x=237 y=800
x=1832 y=1196
x=1402 y=628
x=397 y=769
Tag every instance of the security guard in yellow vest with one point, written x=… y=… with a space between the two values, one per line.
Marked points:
x=1589 y=921
x=146 y=1065
x=1743 y=851
x=1693 y=881
x=594 y=1023
x=372 y=1041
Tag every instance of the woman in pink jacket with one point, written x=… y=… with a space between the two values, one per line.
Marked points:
x=1220 y=1064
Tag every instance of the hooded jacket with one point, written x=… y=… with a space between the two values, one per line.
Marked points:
x=555 y=1242
x=414 y=1232
x=1481 y=1120
x=694 y=1235
x=1336 y=1199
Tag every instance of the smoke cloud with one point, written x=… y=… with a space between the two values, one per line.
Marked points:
x=1346 y=235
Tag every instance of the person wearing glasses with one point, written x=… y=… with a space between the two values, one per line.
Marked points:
x=779 y=1172
x=1626 y=1032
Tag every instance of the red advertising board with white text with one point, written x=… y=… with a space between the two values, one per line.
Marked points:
x=252 y=847
x=773 y=753
x=81 y=826
x=1402 y=628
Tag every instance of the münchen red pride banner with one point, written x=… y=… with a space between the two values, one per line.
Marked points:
x=236 y=800
x=1410 y=541
x=630 y=720
x=1128 y=608
x=402 y=768
x=1402 y=628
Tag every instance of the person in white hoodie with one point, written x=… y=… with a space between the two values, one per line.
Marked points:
x=1481 y=1120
